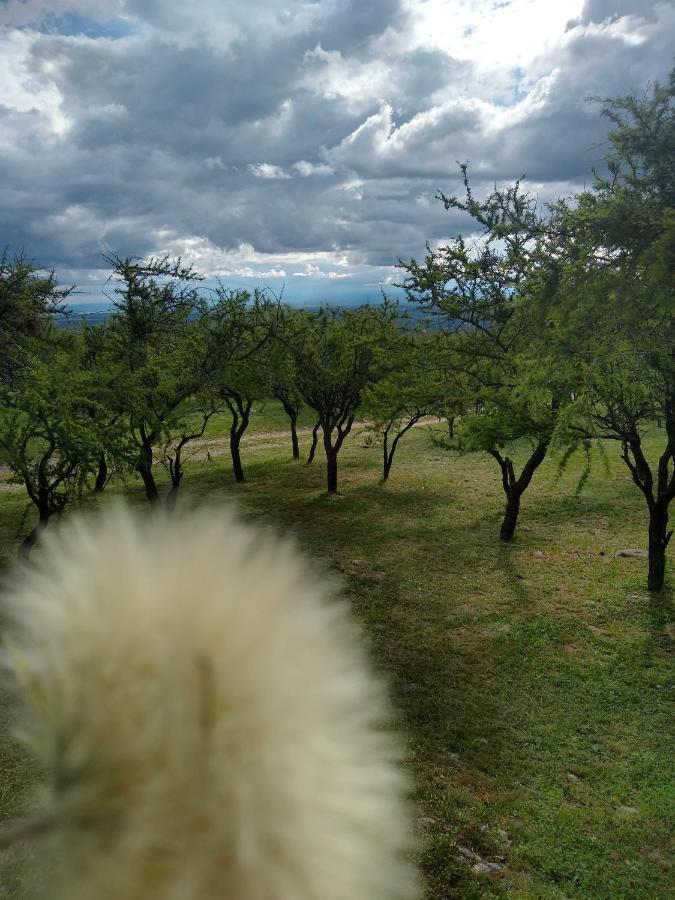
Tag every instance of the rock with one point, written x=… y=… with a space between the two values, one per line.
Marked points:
x=573 y=778
x=628 y=810
x=640 y=554
x=503 y=834
x=426 y=822
x=469 y=854
x=485 y=868
x=539 y=553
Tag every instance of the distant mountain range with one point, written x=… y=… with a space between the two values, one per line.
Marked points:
x=94 y=313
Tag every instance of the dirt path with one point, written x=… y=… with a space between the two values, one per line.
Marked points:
x=215 y=447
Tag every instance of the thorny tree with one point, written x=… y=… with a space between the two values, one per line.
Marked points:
x=481 y=296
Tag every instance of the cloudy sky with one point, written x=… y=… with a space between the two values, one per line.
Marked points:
x=296 y=142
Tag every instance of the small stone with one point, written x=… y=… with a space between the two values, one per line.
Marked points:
x=628 y=810
x=426 y=822
x=640 y=554
x=469 y=854
x=503 y=834
x=538 y=553
x=573 y=778
x=485 y=868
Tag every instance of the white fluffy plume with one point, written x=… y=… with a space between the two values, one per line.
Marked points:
x=207 y=721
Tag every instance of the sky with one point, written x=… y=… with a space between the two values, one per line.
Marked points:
x=297 y=144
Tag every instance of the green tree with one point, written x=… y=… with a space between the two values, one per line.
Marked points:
x=52 y=431
x=49 y=409
x=411 y=387
x=30 y=302
x=482 y=296
x=336 y=358
x=241 y=326
x=614 y=305
x=282 y=369
x=157 y=354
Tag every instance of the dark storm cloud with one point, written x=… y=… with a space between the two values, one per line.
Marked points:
x=353 y=23
x=307 y=132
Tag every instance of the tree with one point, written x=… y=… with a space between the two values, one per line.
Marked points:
x=30 y=303
x=282 y=371
x=411 y=388
x=240 y=326
x=482 y=296
x=189 y=428
x=51 y=432
x=157 y=353
x=48 y=408
x=614 y=307
x=336 y=357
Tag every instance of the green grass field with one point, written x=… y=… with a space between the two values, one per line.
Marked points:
x=533 y=682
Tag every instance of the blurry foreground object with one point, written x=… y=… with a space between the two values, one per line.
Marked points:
x=205 y=716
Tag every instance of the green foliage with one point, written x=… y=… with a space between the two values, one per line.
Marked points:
x=337 y=354
x=411 y=385
x=153 y=354
x=53 y=428
x=50 y=429
x=614 y=307
x=484 y=296
x=30 y=299
x=240 y=328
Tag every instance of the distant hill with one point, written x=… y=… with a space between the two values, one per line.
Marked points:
x=95 y=313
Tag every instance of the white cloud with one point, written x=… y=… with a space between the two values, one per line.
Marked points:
x=267 y=170
x=312 y=271
x=304 y=168
x=247 y=262
x=23 y=88
x=357 y=82
x=494 y=35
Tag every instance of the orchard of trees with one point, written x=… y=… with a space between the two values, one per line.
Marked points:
x=549 y=326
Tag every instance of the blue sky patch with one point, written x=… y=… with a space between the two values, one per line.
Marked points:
x=71 y=24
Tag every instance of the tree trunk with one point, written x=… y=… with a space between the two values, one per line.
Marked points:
x=315 y=441
x=387 y=459
x=331 y=471
x=659 y=536
x=240 y=410
x=451 y=426
x=510 y=516
x=101 y=474
x=176 y=472
x=390 y=451
x=149 y=483
x=172 y=496
x=30 y=540
x=514 y=488
x=144 y=469
x=237 y=468
x=294 y=439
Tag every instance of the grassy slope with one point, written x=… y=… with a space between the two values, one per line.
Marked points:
x=532 y=680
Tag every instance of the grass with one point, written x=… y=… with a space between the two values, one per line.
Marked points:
x=532 y=681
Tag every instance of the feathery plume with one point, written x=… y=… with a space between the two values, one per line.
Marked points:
x=205 y=716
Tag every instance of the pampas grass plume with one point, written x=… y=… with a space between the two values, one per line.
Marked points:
x=207 y=721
